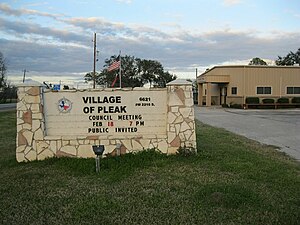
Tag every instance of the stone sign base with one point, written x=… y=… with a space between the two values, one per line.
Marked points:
x=33 y=143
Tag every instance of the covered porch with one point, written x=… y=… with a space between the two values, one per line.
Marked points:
x=222 y=82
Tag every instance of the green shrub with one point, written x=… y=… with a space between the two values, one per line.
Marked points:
x=268 y=101
x=296 y=100
x=283 y=100
x=262 y=106
x=252 y=100
x=283 y=106
x=224 y=105
x=236 y=106
x=186 y=151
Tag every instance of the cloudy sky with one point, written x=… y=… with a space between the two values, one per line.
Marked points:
x=53 y=39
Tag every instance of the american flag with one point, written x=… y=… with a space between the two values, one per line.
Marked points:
x=115 y=65
x=114 y=82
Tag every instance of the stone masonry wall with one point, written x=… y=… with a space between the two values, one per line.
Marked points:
x=30 y=124
x=181 y=123
x=34 y=144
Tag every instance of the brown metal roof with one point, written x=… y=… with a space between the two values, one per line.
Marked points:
x=249 y=66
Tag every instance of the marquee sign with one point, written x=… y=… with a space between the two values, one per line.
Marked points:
x=106 y=113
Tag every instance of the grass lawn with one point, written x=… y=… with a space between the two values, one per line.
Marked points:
x=232 y=180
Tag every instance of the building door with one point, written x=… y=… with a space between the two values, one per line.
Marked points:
x=223 y=95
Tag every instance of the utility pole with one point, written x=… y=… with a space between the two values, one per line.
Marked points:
x=94 y=71
x=196 y=80
x=24 y=74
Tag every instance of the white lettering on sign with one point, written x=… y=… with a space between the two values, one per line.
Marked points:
x=118 y=113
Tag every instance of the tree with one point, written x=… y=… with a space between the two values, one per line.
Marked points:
x=7 y=91
x=257 y=61
x=150 y=70
x=3 y=69
x=165 y=78
x=130 y=77
x=289 y=60
x=135 y=73
x=130 y=72
x=90 y=77
x=194 y=84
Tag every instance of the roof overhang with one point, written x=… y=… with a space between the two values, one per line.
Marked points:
x=213 y=79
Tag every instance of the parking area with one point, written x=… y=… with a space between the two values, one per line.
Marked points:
x=279 y=127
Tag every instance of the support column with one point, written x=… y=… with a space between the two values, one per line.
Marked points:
x=200 y=94
x=208 y=94
x=181 y=122
x=30 y=121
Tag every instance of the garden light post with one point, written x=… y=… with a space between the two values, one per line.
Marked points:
x=98 y=150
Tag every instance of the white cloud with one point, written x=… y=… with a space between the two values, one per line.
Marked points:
x=6 y=9
x=125 y=1
x=34 y=4
x=67 y=50
x=231 y=2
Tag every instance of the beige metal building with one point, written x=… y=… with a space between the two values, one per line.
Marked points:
x=233 y=84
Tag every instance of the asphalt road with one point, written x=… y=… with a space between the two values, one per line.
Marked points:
x=273 y=127
x=8 y=107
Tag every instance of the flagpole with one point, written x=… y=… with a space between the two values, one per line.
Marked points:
x=120 y=75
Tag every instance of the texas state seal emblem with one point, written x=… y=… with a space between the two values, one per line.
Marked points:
x=64 y=105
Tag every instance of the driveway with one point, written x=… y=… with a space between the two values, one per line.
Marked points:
x=8 y=107
x=279 y=127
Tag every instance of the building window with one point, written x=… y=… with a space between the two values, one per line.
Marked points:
x=234 y=90
x=263 y=90
x=293 y=90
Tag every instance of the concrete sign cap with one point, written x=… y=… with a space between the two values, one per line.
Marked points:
x=30 y=83
x=179 y=82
